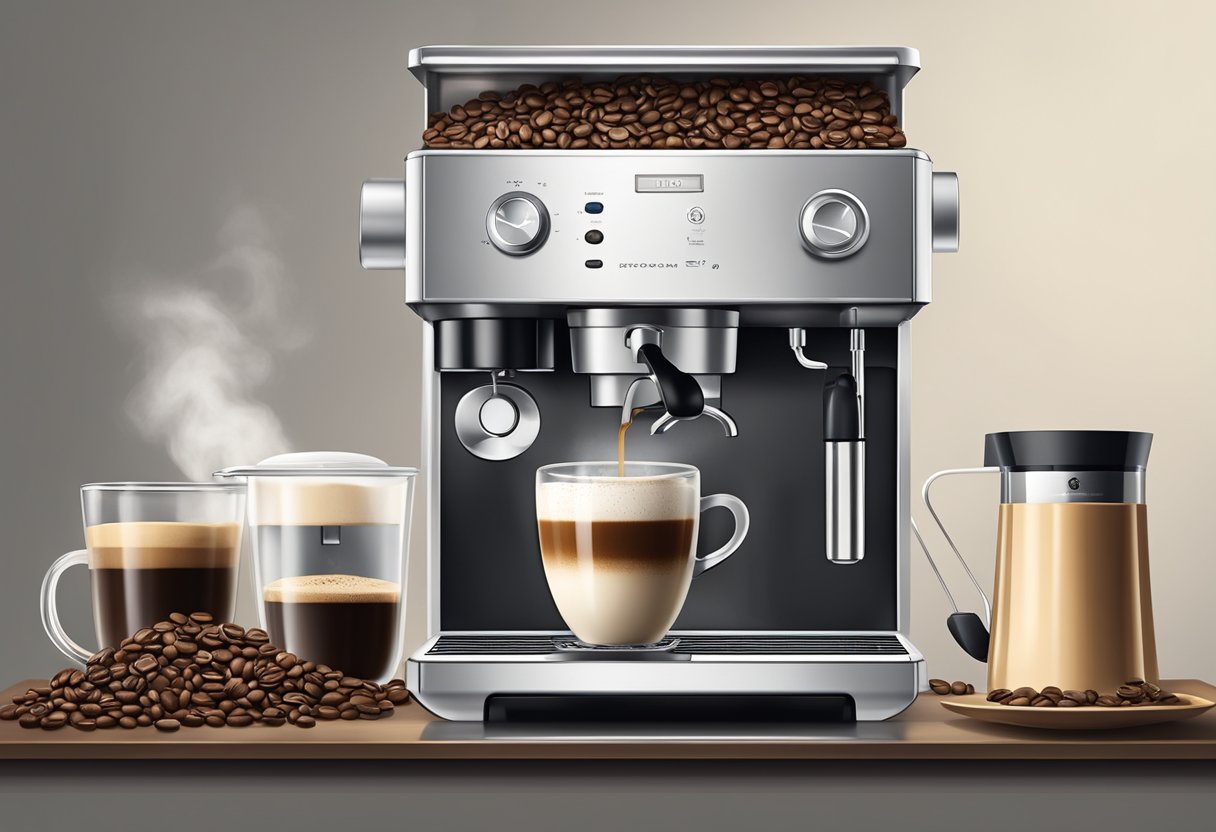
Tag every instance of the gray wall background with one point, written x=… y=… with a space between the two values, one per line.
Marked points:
x=1082 y=297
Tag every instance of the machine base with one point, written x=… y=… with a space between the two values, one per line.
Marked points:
x=712 y=676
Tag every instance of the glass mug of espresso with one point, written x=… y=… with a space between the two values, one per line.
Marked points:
x=153 y=549
x=330 y=538
x=619 y=551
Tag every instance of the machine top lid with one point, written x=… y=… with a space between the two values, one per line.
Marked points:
x=319 y=464
x=899 y=62
x=1068 y=450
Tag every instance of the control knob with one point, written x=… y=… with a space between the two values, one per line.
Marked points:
x=834 y=224
x=517 y=223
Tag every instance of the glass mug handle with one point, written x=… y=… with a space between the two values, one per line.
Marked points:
x=50 y=607
x=742 y=522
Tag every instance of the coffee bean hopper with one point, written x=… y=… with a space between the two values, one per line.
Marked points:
x=559 y=278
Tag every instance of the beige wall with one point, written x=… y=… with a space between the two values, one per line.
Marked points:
x=1082 y=297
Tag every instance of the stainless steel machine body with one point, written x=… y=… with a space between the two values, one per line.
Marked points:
x=534 y=271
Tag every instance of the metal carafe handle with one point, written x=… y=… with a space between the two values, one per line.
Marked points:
x=968 y=630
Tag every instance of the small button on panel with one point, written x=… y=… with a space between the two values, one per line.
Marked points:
x=594 y=236
x=594 y=264
x=594 y=207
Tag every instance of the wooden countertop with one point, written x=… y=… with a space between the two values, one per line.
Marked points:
x=926 y=731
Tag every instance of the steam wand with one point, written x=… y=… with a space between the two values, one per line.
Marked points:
x=844 y=450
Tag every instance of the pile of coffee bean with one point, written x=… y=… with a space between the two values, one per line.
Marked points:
x=1135 y=692
x=650 y=111
x=943 y=688
x=191 y=671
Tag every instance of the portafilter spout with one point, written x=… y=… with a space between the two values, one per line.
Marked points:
x=679 y=394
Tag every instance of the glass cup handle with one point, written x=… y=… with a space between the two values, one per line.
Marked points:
x=742 y=522
x=50 y=607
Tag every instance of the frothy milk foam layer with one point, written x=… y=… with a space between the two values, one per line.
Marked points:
x=163 y=545
x=611 y=499
x=297 y=501
x=332 y=589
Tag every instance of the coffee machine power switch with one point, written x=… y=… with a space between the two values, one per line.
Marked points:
x=517 y=223
x=834 y=224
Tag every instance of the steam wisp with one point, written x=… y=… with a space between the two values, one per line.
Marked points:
x=210 y=339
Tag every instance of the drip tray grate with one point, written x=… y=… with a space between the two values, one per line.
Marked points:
x=879 y=644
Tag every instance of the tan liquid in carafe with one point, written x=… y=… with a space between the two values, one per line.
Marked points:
x=1072 y=606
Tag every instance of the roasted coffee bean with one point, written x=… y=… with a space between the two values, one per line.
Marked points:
x=365 y=704
x=167 y=725
x=1017 y=701
x=939 y=686
x=999 y=695
x=1108 y=701
x=958 y=688
x=145 y=664
x=9 y=711
x=1077 y=697
x=1130 y=691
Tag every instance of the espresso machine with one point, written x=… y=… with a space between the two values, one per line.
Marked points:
x=560 y=289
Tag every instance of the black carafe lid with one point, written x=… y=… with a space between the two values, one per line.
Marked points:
x=1068 y=450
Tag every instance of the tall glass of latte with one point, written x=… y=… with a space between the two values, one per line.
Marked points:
x=619 y=550
x=153 y=549
x=330 y=537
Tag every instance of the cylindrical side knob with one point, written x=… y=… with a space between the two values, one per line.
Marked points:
x=382 y=224
x=945 y=212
